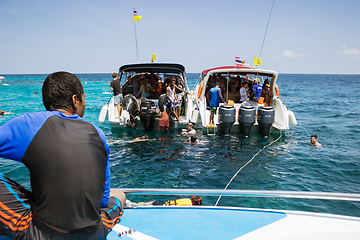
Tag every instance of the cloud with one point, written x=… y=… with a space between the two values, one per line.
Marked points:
x=288 y=54
x=291 y=54
x=350 y=51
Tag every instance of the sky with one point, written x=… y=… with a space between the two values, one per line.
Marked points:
x=98 y=36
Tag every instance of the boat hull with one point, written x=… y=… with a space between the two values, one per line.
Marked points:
x=201 y=222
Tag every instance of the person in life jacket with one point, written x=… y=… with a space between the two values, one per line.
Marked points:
x=194 y=200
x=158 y=87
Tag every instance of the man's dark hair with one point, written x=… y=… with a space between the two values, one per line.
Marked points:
x=58 y=89
x=315 y=136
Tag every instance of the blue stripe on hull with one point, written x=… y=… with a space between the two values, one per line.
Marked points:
x=195 y=223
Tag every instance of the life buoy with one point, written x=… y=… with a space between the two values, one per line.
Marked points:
x=276 y=90
x=200 y=90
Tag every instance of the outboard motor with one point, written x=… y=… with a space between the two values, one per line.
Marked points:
x=129 y=103
x=227 y=114
x=266 y=116
x=246 y=119
x=162 y=102
x=147 y=114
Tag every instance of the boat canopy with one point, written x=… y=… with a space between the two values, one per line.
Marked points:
x=154 y=67
x=240 y=70
x=225 y=68
x=243 y=70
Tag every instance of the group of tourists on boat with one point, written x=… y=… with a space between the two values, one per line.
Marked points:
x=242 y=89
x=150 y=86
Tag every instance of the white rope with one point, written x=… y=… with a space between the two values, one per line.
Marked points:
x=246 y=165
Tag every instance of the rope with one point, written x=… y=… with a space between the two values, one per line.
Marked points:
x=266 y=28
x=246 y=165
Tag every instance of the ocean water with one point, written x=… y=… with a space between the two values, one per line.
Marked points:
x=325 y=105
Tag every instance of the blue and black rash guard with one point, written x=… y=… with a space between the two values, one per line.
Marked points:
x=69 y=167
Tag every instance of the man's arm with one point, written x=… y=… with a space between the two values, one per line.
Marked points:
x=111 y=86
x=220 y=96
x=180 y=89
x=17 y=133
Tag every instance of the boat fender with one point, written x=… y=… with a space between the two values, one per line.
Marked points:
x=121 y=121
x=195 y=116
x=292 y=119
x=103 y=113
x=200 y=90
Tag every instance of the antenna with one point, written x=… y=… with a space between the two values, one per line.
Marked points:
x=267 y=28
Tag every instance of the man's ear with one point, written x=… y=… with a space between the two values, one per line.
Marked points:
x=75 y=101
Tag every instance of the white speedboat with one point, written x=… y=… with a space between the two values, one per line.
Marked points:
x=241 y=117
x=221 y=222
x=148 y=110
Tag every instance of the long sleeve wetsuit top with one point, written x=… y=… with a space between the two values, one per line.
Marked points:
x=69 y=167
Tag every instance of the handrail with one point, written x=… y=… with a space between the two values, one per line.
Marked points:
x=243 y=193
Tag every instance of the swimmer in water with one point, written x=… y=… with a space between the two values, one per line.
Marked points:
x=4 y=113
x=192 y=139
x=313 y=141
x=138 y=139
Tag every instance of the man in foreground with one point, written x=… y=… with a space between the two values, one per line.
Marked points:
x=68 y=161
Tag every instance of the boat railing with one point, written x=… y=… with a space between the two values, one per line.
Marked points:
x=244 y=193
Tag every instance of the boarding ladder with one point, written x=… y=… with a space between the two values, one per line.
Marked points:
x=209 y=128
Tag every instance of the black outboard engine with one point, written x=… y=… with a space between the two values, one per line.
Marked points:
x=162 y=102
x=129 y=103
x=147 y=114
x=266 y=116
x=227 y=114
x=246 y=119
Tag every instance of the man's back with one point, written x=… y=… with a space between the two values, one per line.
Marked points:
x=115 y=85
x=67 y=161
x=214 y=97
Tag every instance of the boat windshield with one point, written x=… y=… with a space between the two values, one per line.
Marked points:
x=156 y=81
x=231 y=82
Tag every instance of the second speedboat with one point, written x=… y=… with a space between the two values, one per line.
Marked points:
x=241 y=117
x=146 y=106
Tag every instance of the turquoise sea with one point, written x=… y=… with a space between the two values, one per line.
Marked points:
x=326 y=105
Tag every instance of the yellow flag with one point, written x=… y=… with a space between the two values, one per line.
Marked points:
x=153 y=57
x=137 y=18
x=257 y=61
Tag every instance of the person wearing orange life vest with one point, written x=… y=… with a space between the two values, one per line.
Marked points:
x=158 y=88
x=194 y=200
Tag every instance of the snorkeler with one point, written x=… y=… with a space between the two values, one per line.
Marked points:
x=313 y=141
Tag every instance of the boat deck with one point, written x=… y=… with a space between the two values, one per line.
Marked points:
x=231 y=223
